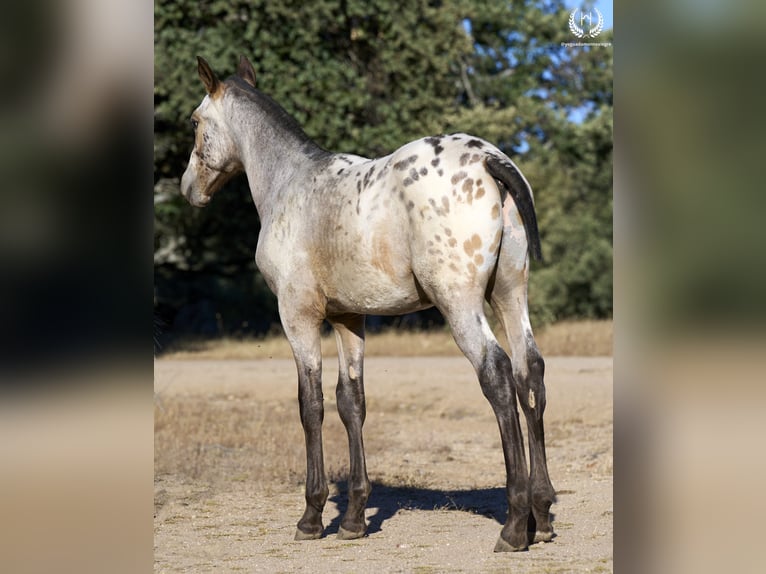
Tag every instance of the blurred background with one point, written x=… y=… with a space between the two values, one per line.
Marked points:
x=79 y=303
x=366 y=78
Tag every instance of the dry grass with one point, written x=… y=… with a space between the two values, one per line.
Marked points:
x=212 y=439
x=577 y=339
x=570 y=338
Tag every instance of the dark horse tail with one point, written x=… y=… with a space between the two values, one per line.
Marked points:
x=509 y=180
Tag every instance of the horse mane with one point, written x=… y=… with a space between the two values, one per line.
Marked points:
x=273 y=110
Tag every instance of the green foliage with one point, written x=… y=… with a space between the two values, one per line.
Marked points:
x=366 y=77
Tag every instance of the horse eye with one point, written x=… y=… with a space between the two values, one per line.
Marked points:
x=194 y=124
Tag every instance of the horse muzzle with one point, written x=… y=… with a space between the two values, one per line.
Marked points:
x=191 y=192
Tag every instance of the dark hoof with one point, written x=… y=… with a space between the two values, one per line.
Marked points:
x=504 y=546
x=543 y=536
x=344 y=534
x=300 y=535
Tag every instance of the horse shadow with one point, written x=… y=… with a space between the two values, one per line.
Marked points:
x=388 y=500
x=385 y=501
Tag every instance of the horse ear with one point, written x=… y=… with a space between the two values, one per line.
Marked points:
x=245 y=70
x=208 y=77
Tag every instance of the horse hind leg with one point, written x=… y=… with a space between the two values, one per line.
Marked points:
x=349 y=334
x=474 y=336
x=508 y=299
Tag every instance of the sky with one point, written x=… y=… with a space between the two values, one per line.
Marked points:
x=604 y=6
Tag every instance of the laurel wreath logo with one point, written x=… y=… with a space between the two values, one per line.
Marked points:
x=596 y=30
x=580 y=32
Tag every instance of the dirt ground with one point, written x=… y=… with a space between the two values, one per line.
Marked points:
x=228 y=496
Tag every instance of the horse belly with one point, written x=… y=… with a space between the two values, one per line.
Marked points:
x=374 y=286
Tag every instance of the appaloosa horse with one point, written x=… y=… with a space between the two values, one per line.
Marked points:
x=444 y=221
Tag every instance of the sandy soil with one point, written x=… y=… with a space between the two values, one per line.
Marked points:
x=433 y=455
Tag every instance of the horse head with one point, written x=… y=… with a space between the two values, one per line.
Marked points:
x=215 y=157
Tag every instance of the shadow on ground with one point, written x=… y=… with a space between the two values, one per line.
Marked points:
x=388 y=500
x=385 y=501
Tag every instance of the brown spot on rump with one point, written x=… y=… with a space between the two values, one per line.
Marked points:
x=410 y=205
x=414 y=174
x=454 y=267
x=440 y=171
x=423 y=171
x=479 y=192
x=478 y=259
x=475 y=158
x=495 y=211
x=464 y=159
x=468 y=185
x=458 y=176
x=435 y=161
x=452 y=242
x=402 y=165
x=475 y=143
x=407 y=181
x=438 y=238
x=471 y=269
x=445 y=203
x=448 y=231
x=472 y=245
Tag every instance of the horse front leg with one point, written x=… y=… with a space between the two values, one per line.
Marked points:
x=312 y=415
x=303 y=334
x=349 y=333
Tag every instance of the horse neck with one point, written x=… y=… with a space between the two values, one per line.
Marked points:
x=278 y=158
